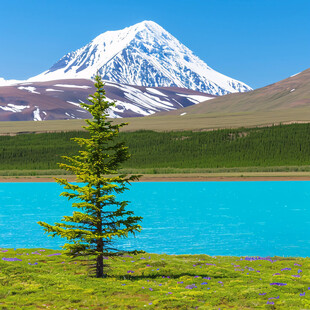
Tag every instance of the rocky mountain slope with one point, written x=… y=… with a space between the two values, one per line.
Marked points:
x=60 y=99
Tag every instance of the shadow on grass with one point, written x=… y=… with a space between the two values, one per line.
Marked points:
x=168 y=276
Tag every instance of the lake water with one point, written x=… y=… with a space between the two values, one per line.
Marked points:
x=215 y=218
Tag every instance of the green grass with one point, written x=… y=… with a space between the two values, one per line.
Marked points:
x=201 y=121
x=40 y=281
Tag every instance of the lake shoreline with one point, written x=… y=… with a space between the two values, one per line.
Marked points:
x=172 y=178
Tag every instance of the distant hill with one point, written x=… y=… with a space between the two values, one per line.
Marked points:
x=289 y=94
x=60 y=100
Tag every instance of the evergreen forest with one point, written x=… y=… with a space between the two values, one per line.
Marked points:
x=283 y=145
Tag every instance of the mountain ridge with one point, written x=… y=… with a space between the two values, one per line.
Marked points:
x=290 y=93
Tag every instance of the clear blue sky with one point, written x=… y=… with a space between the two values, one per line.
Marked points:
x=256 y=41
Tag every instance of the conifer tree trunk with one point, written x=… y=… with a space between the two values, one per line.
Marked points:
x=99 y=265
x=99 y=259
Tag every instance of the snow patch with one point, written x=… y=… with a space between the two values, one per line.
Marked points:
x=30 y=89
x=14 y=108
x=74 y=103
x=156 y=92
x=295 y=74
x=292 y=90
x=71 y=86
x=51 y=89
x=4 y=82
x=36 y=114
x=183 y=114
x=70 y=115
x=196 y=98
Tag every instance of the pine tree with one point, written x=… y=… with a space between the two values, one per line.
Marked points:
x=101 y=218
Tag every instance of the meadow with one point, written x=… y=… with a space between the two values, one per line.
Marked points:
x=47 y=279
x=203 y=120
x=275 y=148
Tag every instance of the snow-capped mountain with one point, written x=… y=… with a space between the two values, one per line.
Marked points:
x=145 y=55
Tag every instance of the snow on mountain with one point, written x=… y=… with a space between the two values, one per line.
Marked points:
x=145 y=55
x=4 y=82
x=61 y=99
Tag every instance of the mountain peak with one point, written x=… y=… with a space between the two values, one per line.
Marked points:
x=150 y=25
x=144 y=54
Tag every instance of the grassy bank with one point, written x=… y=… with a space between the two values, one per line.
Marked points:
x=46 y=279
x=203 y=120
x=277 y=148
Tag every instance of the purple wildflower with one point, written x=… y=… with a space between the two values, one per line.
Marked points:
x=299 y=271
x=270 y=303
x=190 y=287
x=297 y=265
x=220 y=282
x=180 y=282
x=10 y=259
x=130 y=271
x=204 y=283
x=36 y=252
x=276 y=274
x=302 y=294
x=207 y=278
x=286 y=269
x=196 y=276
x=151 y=289
x=54 y=254
x=262 y=294
x=278 y=284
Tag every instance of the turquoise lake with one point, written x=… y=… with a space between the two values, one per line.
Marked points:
x=214 y=218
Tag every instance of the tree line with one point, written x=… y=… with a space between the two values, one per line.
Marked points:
x=283 y=145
